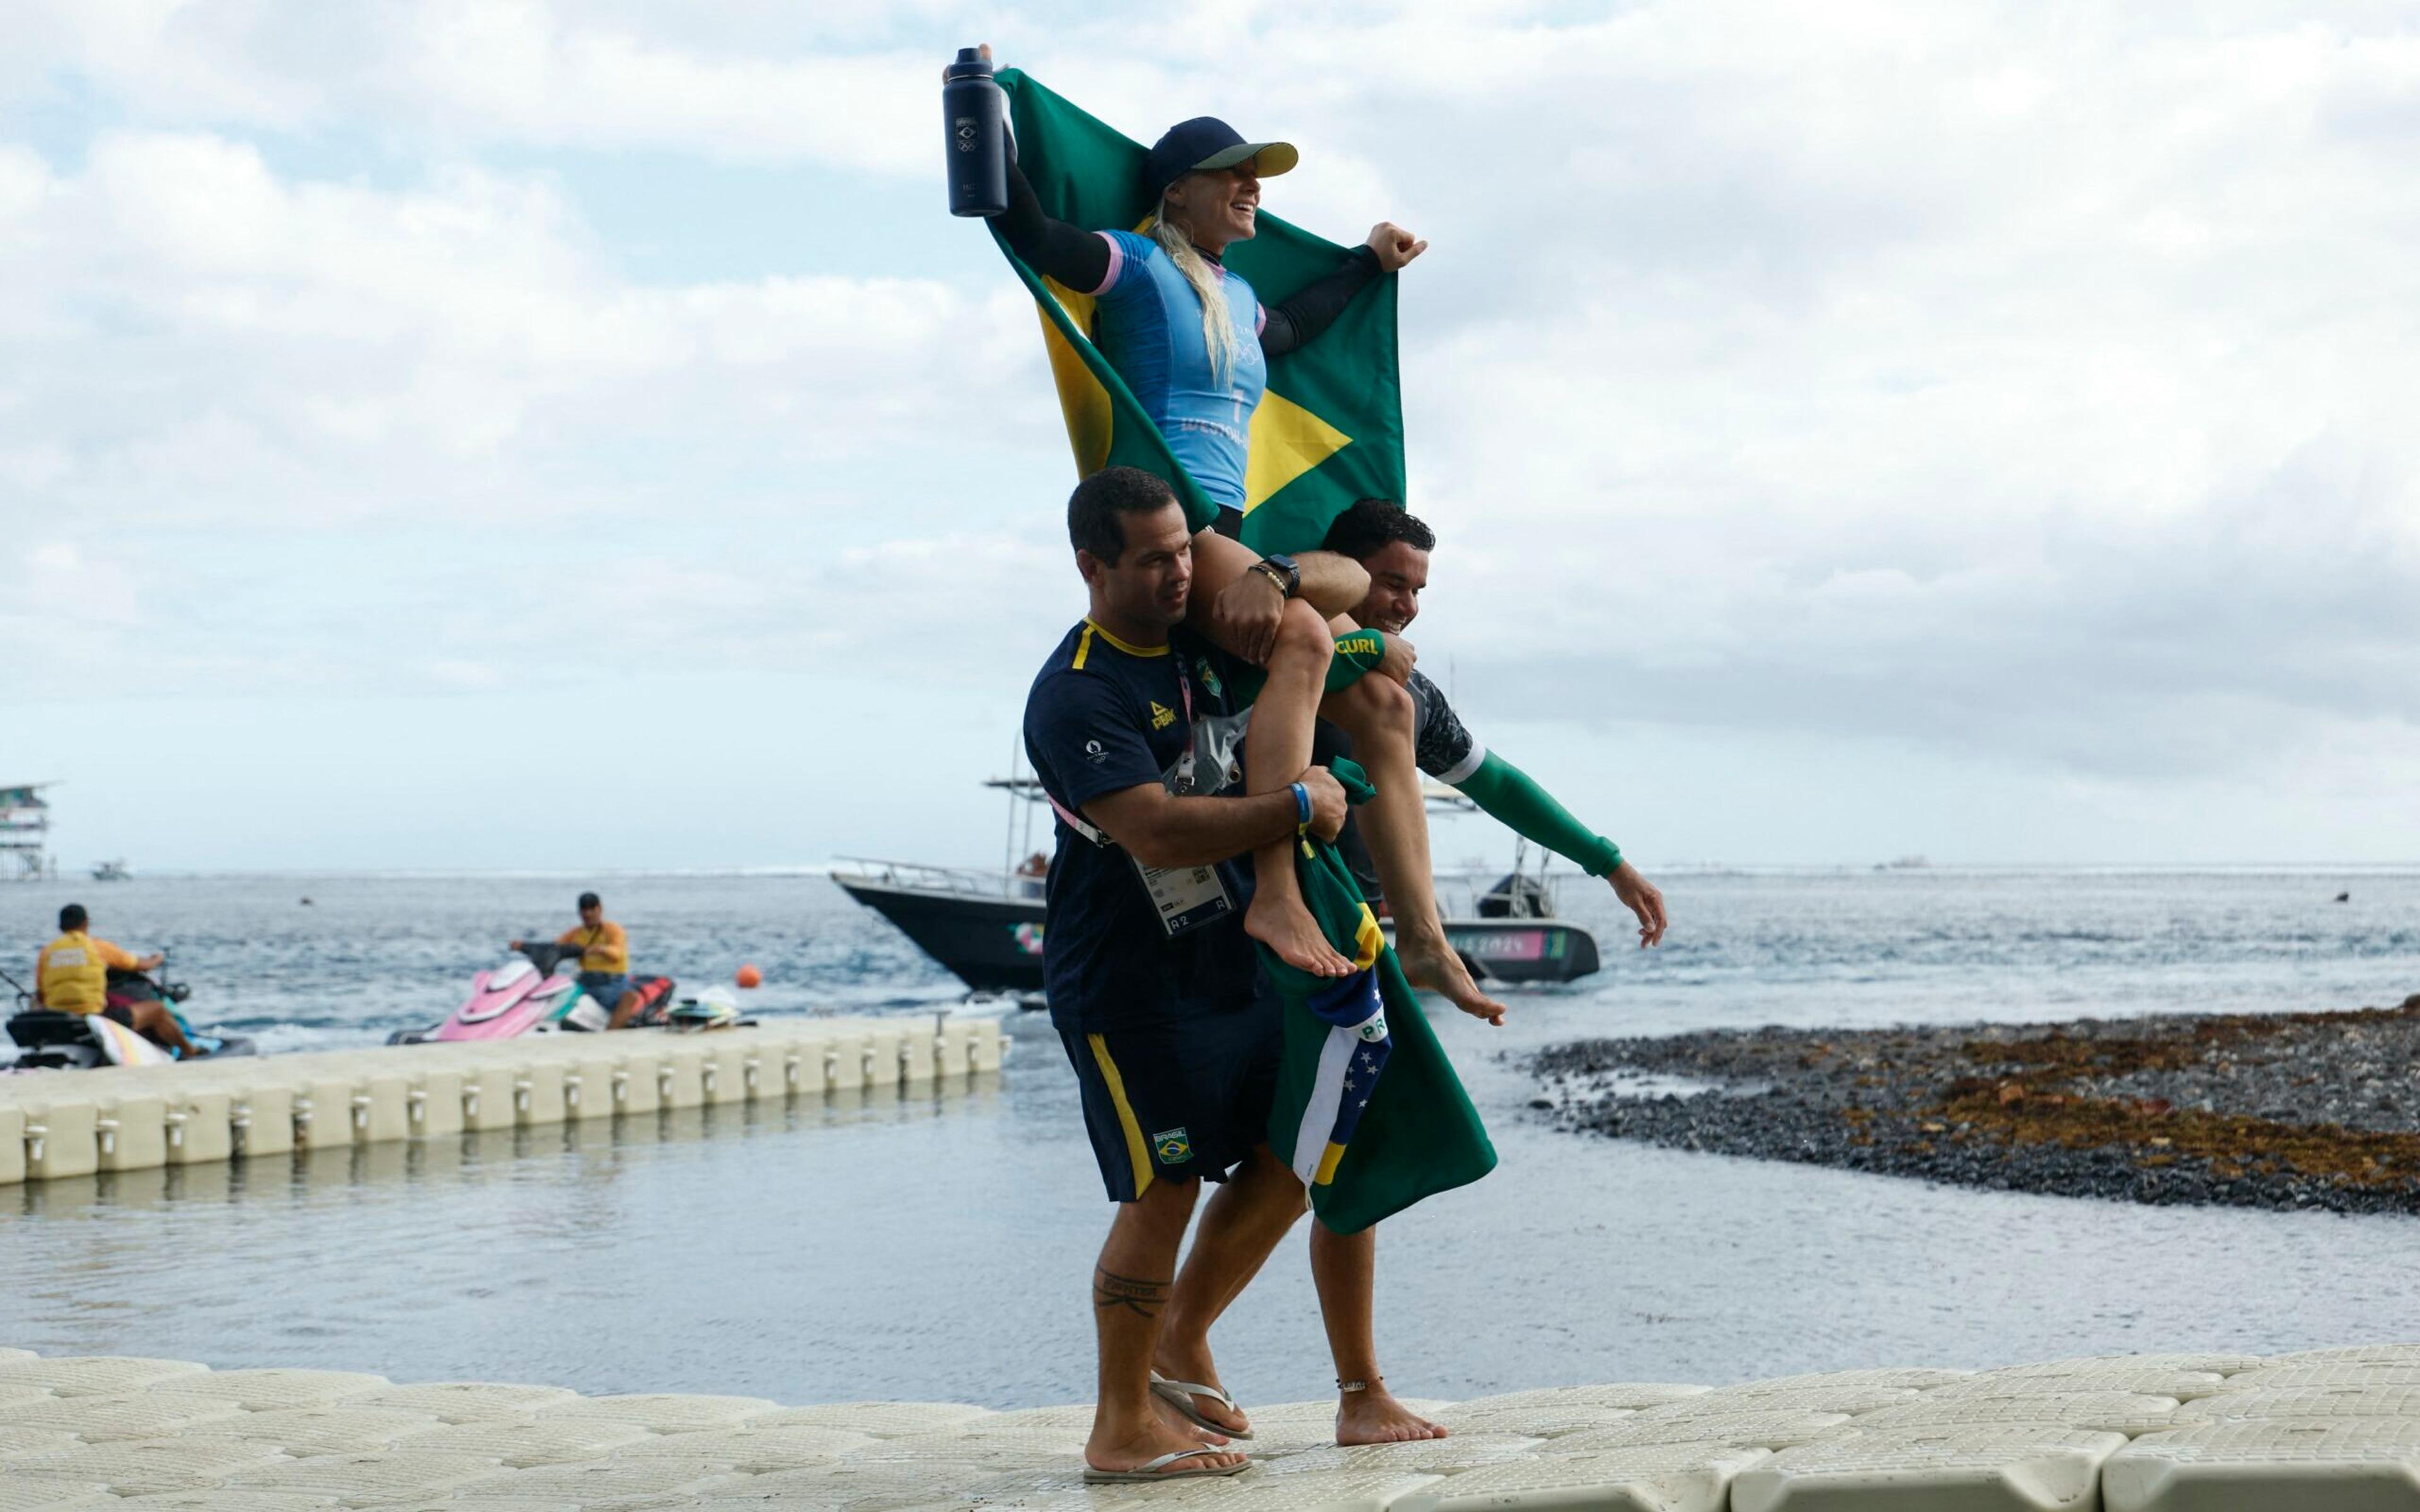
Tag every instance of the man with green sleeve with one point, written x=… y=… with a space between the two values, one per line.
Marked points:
x=1393 y=547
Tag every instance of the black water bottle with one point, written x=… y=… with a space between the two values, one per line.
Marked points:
x=975 y=111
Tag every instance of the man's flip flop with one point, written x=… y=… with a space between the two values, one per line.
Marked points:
x=1180 y=1394
x=1158 y=1469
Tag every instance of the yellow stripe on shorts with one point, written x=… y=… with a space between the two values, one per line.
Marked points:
x=1137 y=1153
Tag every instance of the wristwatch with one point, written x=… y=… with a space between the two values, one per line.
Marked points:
x=1281 y=570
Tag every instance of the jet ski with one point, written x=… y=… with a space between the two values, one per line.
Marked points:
x=47 y=1040
x=537 y=992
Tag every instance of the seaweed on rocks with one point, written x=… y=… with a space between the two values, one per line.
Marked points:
x=2279 y=1111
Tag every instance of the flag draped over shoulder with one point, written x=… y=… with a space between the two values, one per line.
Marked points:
x=1329 y=430
x=1369 y=1112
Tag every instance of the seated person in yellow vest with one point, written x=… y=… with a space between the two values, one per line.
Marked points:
x=604 y=961
x=71 y=976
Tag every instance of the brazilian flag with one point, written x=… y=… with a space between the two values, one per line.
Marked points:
x=1369 y=1112
x=1330 y=429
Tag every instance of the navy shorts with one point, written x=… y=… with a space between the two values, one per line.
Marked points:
x=1181 y=1099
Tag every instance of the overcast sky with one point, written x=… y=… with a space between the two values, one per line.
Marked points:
x=493 y=433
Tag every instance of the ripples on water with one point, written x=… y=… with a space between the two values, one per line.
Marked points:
x=926 y=1249
x=372 y=954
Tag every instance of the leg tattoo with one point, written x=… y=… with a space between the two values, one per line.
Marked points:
x=1144 y=1299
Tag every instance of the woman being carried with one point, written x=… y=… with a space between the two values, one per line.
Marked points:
x=1193 y=342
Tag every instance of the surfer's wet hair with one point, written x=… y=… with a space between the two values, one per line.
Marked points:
x=73 y=917
x=1093 y=508
x=1363 y=530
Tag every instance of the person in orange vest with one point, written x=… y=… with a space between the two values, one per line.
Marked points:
x=604 y=960
x=71 y=976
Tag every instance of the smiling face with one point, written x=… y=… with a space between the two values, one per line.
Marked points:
x=1217 y=206
x=1398 y=572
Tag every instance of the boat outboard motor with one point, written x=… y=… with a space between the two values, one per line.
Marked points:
x=1515 y=896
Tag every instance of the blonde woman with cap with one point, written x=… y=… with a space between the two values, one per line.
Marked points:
x=1192 y=340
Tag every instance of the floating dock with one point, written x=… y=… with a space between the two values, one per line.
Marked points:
x=65 y=1123
x=2335 y=1429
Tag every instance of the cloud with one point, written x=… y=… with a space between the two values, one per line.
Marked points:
x=518 y=71
x=2011 y=380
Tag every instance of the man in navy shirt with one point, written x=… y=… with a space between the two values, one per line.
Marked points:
x=1132 y=728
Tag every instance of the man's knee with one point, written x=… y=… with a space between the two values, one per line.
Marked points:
x=1163 y=1204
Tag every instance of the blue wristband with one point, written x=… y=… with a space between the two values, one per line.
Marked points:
x=1301 y=806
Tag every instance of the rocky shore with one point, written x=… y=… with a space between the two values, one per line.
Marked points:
x=2284 y=1111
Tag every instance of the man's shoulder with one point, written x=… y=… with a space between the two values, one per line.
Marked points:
x=1061 y=662
x=1430 y=697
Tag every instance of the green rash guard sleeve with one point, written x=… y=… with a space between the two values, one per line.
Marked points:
x=1358 y=653
x=1508 y=793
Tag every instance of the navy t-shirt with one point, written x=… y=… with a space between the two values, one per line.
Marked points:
x=1104 y=717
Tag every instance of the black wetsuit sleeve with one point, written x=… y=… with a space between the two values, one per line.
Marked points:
x=1314 y=307
x=1054 y=249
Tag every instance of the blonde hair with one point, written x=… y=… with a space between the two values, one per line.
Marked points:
x=1217 y=321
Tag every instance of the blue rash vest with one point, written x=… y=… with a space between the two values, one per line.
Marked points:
x=1149 y=326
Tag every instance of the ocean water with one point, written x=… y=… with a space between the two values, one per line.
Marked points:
x=940 y=1248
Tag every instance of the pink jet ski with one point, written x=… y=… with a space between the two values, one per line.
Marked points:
x=537 y=992
x=532 y=994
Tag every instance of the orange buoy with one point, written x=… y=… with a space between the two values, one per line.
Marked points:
x=749 y=977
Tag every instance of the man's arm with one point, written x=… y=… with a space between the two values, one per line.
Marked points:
x=1245 y=616
x=1332 y=583
x=1513 y=799
x=1511 y=795
x=1158 y=828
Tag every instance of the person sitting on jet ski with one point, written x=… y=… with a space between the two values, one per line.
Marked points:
x=71 y=976
x=604 y=961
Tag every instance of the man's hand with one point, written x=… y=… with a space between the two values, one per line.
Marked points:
x=152 y=963
x=1246 y=615
x=513 y=946
x=1328 y=805
x=1398 y=661
x=1641 y=898
x=1394 y=245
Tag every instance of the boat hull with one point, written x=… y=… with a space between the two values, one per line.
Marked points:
x=1524 y=949
x=993 y=945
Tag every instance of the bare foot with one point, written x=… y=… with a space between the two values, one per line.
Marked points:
x=1373 y=1416
x=1108 y=1448
x=1177 y=1422
x=1286 y=927
x=1201 y=1373
x=1439 y=969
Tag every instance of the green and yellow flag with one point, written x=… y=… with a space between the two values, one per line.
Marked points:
x=1330 y=429
x=1367 y=1112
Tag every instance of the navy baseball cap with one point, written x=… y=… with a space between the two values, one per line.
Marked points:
x=1207 y=142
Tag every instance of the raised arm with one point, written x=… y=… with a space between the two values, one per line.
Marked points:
x=1158 y=828
x=1314 y=307
x=1075 y=257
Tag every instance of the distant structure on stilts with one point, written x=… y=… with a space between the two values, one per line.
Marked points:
x=24 y=833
